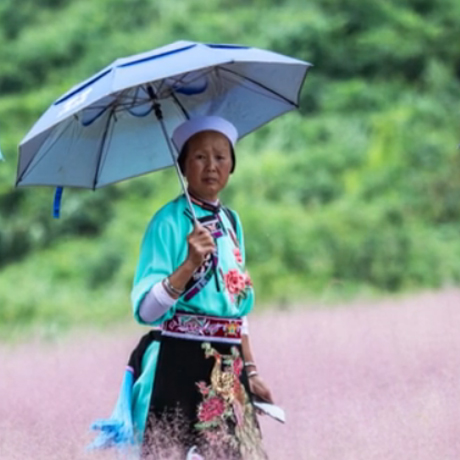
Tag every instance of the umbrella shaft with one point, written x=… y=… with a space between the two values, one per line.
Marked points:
x=184 y=189
x=159 y=114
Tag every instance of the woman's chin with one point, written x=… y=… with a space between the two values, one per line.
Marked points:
x=209 y=190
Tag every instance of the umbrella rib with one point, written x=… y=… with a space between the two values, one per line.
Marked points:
x=31 y=166
x=101 y=149
x=247 y=84
x=177 y=101
x=255 y=82
x=25 y=170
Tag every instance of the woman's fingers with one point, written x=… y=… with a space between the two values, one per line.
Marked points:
x=199 y=229
x=266 y=394
x=200 y=243
x=203 y=242
x=260 y=389
x=201 y=235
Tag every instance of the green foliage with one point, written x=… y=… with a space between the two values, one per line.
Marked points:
x=358 y=192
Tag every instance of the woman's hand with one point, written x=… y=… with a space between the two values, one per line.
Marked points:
x=200 y=245
x=259 y=388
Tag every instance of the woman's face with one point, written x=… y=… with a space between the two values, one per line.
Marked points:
x=208 y=164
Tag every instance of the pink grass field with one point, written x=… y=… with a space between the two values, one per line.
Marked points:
x=376 y=381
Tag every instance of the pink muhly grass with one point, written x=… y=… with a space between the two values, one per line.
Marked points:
x=370 y=382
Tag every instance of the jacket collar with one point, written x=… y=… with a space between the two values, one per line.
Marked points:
x=213 y=207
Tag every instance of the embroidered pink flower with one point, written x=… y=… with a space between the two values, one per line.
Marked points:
x=237 y=366
x=238 y=256
x=210 y=409
x=204 y=389
x=235 y=282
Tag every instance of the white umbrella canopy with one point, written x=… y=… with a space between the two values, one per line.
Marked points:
x=118 y=123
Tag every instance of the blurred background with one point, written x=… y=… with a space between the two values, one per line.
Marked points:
x=355 y=195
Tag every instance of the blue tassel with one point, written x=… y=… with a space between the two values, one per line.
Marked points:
x=118 y=430
x=57 y=202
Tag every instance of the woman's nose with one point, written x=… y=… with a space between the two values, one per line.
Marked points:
x=211 y=164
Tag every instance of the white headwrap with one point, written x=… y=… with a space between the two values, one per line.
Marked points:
x=204 y=123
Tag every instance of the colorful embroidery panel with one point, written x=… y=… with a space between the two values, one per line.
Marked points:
x=203 y=327
x=226 y=413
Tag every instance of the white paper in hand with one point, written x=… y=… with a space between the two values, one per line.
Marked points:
x=270 y=409
x=193 y=454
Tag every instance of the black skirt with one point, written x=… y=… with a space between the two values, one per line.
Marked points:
x=201 y=398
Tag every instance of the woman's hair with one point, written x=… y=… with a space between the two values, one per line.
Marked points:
x=183 y=156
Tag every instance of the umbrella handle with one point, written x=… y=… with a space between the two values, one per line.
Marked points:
x=171 y=148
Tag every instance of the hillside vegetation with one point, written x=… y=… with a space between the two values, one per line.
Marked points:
x=358 y=192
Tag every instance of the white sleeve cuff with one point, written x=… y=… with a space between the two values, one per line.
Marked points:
x=245 y=326
x=156 y=303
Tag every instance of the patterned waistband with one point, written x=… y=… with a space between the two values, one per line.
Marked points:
x=204 y=328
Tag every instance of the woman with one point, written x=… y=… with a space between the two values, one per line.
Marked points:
x=195 y=381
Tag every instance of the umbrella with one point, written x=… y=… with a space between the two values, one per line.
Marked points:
x=117 y=124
